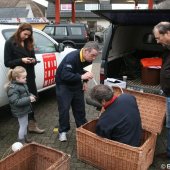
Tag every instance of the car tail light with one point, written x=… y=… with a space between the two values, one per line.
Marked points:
x=102 y=77
x=85 y=34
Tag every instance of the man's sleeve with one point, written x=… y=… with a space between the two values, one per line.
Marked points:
x=69 y=73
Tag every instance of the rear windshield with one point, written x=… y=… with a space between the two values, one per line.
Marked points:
x=76 y=30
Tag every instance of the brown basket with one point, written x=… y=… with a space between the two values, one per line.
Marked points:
x=36 y=157
x=107 y=154
x=152 y=109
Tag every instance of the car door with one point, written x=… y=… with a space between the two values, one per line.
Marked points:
x=46 y=56
x=49 y=57
x=3 y=80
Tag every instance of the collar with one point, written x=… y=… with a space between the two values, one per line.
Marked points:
x=110 y=102
x=81 y=56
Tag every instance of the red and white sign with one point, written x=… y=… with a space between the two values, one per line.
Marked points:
x=50 y=67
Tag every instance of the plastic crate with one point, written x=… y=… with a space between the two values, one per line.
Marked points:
x=150 y=71
x=150 y=76
x=36 y=157
x=107 y=154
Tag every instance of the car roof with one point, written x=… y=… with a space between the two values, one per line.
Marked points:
x=137 y=17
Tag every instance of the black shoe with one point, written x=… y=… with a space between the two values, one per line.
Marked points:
x=27 y=140
x=21 y=141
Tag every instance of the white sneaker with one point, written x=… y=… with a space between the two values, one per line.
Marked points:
x=62 y=137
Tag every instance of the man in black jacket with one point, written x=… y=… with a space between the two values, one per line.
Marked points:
x=162 y=35
x=71 y=82
x=120 y=120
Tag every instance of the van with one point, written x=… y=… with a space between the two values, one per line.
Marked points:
x=71 y=35
x=129 y=40
x=48 y=52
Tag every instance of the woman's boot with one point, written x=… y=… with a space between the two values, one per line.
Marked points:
x=33 y=127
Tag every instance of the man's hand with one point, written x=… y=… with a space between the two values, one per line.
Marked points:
x=87 y=76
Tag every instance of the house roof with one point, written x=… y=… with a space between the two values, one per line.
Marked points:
x=67 y=14
x=13 y=12
x=7 y=3
x=85 y=14
x=20 y=6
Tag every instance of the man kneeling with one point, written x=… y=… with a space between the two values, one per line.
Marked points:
x=120 y=120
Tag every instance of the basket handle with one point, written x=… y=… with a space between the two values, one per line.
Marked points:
x=119 y=88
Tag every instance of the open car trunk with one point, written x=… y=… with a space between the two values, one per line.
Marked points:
x=129 y=40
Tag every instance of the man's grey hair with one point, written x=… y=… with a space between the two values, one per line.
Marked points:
x=162 y=27
x=92 y=45
x=101 y=92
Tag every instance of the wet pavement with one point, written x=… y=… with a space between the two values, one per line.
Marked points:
x=47 y=117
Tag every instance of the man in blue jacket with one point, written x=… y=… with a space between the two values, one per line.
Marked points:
x=71 y=82
x=120 y=120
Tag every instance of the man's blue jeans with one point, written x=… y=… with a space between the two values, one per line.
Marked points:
x=168 y=124
x=67 y=98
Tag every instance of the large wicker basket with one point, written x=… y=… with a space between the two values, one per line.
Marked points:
x=111 y=155
x=36 y=157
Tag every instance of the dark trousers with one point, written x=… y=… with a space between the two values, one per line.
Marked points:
x=32 y=89
x=31 y=116
x=66 y=98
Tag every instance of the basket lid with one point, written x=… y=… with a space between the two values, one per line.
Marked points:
x=152 y=109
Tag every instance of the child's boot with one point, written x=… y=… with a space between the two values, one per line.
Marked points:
x=27 y=140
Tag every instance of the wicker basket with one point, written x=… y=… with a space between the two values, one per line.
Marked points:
x=111 y=155
x=36 y=157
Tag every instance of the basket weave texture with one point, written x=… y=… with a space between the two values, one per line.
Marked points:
x=36 y=157
x=111 y=155
x=152 y=109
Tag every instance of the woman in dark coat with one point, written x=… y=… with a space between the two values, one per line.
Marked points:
x=19 y=51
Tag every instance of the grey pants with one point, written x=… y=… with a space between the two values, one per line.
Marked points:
x=23 y=124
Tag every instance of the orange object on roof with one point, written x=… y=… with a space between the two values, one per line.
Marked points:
x=147 y=62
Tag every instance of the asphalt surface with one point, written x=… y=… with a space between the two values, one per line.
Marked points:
x=47 y=117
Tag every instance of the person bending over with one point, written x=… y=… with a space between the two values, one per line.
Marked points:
x=120 y=120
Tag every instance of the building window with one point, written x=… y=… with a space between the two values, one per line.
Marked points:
x=89 y=7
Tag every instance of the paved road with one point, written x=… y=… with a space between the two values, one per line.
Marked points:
x=47 y=116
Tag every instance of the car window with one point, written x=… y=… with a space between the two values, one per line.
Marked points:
x=49 y=30
x=43 y=44
x=60 y=31
x=7 y=33
x=76 y=30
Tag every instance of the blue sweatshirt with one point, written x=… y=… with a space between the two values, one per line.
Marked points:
x=70 y=70
x=121 y=121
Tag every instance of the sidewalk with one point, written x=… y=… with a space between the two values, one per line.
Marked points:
x=47 y=117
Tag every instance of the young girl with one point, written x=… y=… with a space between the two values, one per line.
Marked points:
x=20 y=100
